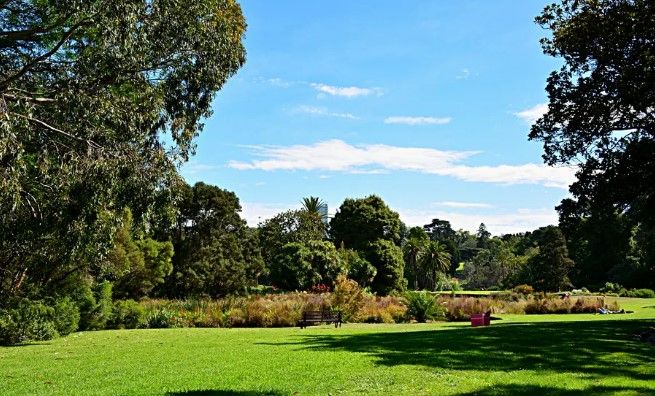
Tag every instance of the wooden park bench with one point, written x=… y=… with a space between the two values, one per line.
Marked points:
x=324 y=316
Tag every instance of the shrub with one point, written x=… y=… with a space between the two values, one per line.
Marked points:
x=347 y=297
x=127 y=314
x=27 y=321
x=382 y=310
x=161 y=319
x=460 y=309
x=523 y=289
x=557 y=305
x=95 y=305
x=66 y=316
x=639 y=293
x=422 y=306
x=611 y=288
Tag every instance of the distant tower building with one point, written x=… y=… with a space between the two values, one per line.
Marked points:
x=323 y=212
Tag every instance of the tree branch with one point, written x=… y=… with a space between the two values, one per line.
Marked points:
x=26 y=68
x=50 y=127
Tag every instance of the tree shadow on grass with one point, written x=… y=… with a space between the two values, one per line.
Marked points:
x=218 y=392
x=592 y=349
x=531 y=390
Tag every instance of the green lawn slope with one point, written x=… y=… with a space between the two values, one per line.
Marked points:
x=519 y=354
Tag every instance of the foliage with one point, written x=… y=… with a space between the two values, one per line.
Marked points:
x=66 y=316
x=136 y=267
x=523 y=289
x=435 y=260
x=414 y=250
x=382 y=310
x=495 y=267
x=549 y=269
x=422 y=306
x=601 y=115
x=299 y=266
x=359 y=222
x=387 y=258
x=639 y=293
x=216 y=254
x=27 y=321
x=359 y=269
x=316 y=206
x=127 y=314
x=291 y=226
x=348 y=297
x=99 y=100
x=556 y=305
x=95 y=306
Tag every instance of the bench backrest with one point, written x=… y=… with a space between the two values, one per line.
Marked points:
x=320 y=315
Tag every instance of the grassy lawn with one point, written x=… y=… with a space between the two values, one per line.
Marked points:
x=520 y=354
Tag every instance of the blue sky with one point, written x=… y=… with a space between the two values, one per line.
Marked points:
x=425 y=103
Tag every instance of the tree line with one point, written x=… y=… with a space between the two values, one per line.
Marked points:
x=100 y=101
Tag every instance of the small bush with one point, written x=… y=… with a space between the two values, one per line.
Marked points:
x=27 y=321
x=161 y=319
x=127 y=314
x=66 y=316
x=523 y=289
x=422 y=306
x=382 y=310
x=557 y=305
x=347 y=297
x=639 y=293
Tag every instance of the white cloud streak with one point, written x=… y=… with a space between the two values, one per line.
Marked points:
x=339 y=156
x=462 y=205
x=348 y=92
x=520 y=220
x=405 y=120
x=322 y=111
x=532 y=114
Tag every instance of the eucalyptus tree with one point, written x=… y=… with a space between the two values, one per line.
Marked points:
x=99 y=101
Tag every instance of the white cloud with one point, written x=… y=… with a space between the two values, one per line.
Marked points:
x=339 y=156
x=463 y=75
x=194 y=168
x=463 y=205
x=532 y=114
x=520 y=220
x=322 y=111
x=278 y=82
x=256 y=212
x=348 y=92
x=404 y=120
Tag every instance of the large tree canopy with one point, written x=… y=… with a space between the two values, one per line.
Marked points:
x=359 y=222
x=99 y=100
x=601 y=111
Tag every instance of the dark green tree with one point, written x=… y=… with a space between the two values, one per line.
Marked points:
x=387 y=258
x=216 y=254
x=358 y=222
x=359 y=269
x=136 y=267
x=549 y=269
x=601 y=110
x=299 y=266
x=436 y=259
x=89 y=93
x=415 y=246
x=286 y=227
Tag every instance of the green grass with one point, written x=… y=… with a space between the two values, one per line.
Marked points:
x=520 y=354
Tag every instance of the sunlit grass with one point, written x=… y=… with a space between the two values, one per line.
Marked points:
x=520 y=354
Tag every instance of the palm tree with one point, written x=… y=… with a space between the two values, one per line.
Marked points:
x=414 y=249
x=314 y=205
x=436 y=259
